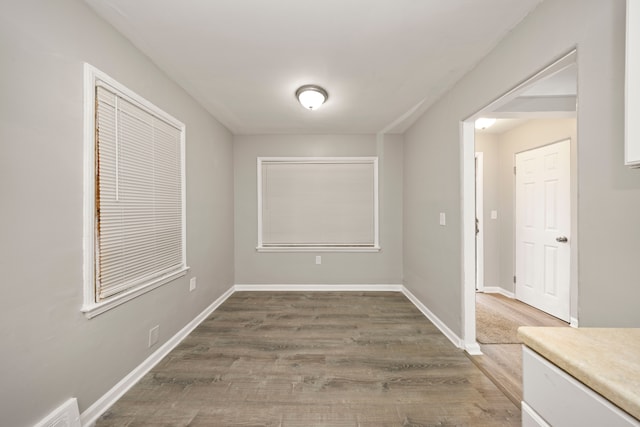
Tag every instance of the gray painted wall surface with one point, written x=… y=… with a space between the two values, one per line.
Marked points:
x=608 y=192
x=50 y=351
x=487 y=144
x=384 y=267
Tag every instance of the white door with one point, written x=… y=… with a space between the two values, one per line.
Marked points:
x=543 y=222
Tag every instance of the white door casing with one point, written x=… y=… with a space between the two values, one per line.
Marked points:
x=543 y=223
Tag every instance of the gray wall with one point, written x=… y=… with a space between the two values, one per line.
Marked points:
x=487 y=144
x=50 y=351
x=608 y=192
x=252 y=267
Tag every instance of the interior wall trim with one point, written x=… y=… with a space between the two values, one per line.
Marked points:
x=100 y=406
x=452 y=336
x=89 y=417
x=318 y=288
x=499 y=290
x=455 y=339
x=574 y=322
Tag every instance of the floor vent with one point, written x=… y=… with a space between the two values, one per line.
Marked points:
x=65 y=415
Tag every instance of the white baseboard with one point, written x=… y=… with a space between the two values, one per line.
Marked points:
x=574 y=322
x=319 y=288
x=364 y=288
x=65 y=415
x=498 y=290
x=89 y=417
x=473 y=349
x=455 y=339
x=92 y=413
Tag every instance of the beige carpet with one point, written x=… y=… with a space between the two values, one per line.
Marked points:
x=494 y=328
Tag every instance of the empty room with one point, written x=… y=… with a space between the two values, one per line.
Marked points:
x=296 y=213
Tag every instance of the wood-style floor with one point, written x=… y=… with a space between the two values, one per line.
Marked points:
x=315 y=359
x=502 y=363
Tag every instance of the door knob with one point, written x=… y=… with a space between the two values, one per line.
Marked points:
x=562 y=239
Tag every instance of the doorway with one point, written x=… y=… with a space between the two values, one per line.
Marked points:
x=499 y=307
x=526 y=101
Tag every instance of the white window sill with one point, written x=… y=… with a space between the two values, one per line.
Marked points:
x=94 y=309
x=317 y=249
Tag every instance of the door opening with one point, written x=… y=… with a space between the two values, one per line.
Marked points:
x=525 y=101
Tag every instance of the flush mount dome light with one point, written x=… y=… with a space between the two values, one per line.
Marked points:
x=483 y=123
x=311 y=97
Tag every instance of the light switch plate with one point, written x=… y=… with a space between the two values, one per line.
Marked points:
x=443 y=218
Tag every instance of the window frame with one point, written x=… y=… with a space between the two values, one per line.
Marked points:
x=91 y=306
x=319 y=160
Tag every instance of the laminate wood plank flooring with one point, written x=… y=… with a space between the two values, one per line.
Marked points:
x=517 y=311
x=314 y=359
x=502 y=363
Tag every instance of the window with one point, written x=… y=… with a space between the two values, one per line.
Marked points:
x=318 y=204
x=134 y=195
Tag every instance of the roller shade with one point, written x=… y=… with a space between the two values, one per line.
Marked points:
x=319 y=203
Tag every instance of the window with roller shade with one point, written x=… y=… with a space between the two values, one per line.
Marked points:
x=318 y=204
x=138 y=219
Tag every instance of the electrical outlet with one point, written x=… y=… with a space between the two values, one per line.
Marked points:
x=318 y=260
x=153 y=335
x=192 y=284
x=494 y=214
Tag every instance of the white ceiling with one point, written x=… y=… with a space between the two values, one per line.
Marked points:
x=502 y=126
x=554 y=96
x=382 y=61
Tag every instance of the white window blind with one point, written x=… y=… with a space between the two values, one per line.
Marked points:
x=139 y=223
x=318 y=203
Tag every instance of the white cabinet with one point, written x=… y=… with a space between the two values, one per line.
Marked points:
x=551 y=397
x=632 y=85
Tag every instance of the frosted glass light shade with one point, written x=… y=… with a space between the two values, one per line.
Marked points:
x=311 y=97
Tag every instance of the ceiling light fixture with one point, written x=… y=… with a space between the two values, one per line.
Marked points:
x=311 y=97
x=483 y=123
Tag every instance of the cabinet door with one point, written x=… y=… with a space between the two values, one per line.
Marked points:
x=562 y=401
x=531 y=418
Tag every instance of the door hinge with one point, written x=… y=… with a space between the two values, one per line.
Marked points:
x=514 y=279
x=514 y=170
